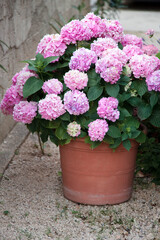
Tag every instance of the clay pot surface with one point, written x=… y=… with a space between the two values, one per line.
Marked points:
x=100 y=176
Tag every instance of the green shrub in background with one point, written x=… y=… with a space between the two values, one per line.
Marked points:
x=148 y=159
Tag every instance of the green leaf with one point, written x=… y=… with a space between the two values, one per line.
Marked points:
x=108 y=139
x=61 y=133
x=120 y=46
x=158 y=55
x=114 y=132
x=65 y=117
x=132 y=122
x=70 y=49
x=54 y=66
x=141 y=138
x=30 y=62
x=32 y=85
x=153 y=99
x=50 y=124
x=123 y=113
x=3 y=68
x=124 y=136
x=49 y=60
x=94 y=92
x=134 y=101
x=127 y=144
x=33 y=126
x=116 y=143
x=93 y=78
x=155 y=118
x=83 y=134
x=54 y=139
x=135 y=134
x=95 y=144
x=144 y=111
x=112 y=89
x=44 y=137
x=140 y=86
x=124 y=80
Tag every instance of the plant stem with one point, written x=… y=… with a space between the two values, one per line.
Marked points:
x=40 y=143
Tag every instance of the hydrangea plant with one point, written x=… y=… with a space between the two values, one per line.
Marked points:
x=91 y=81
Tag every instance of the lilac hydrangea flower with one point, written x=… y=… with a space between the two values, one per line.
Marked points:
x=153 y=81
x=82 y=59
x=52 y=86
x=113 y=29
x=101 y=44
x=51 y=107
x=76 y=102
x=150 y=50
x=25 y=111
x=97 y=129
x=74 y=129
x=116 y=53
x=75 y=79
x=143 y=65
x=75 y=31
x=9 y=100
x=107 y=108
x=109 y=69
x=51 y=45
x=130 y=39
x=131 y=50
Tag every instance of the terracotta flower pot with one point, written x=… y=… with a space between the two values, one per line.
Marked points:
x=98 y=176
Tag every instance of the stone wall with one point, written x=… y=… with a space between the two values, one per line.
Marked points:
x=22 y=24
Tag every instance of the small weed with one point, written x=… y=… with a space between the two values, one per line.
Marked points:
x=6 y=212
x=64 y=211
x=58 y=205
x=1 y=202
x=35 y=145
x=16 y=152
x=59 y=174
x=78 y=214
x=27 y=234
x=48 y=232
x=26 y=214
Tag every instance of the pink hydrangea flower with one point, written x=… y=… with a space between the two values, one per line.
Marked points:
x=131 y=50
x=95 y=24
x=25 y=111
x=52 y=86
x=22 y=77
x=97 y=130
x=107 y=108
x=76 y=102
x=75 y=31
x=51 y=45
x=82 y=59
x=143 y=65
x=130 y=39
x=109 y=69
x=116 y=53
x=75 y=79
x=9 y=100
x=113 y=29
x=51 y=107
x=150 y=32
x=153 y=81
x=150 y=49
x=74 y=129
x=101 y=44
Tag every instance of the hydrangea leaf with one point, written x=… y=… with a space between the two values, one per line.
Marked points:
x=32 y=85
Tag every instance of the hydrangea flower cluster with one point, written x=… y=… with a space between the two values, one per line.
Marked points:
x=95 y=24
x=51 y=107
x=74 y=129
x=113 y=30
x=51 y=45
x=143 y=65
x=98 y=129
x=107 y=108
x=130 y=39
x=52 y=86
x=9 y=100
x=76 y=102
x=21 y=78
x=153 y=81
x=116 y=53
x=75 y=79
x=101 y=44
x=131 y=50
x=109 y=69
x=150 y=49
x=25 y=111
x=82 y=59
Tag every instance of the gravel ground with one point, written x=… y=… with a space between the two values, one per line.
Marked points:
x=32 y=205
